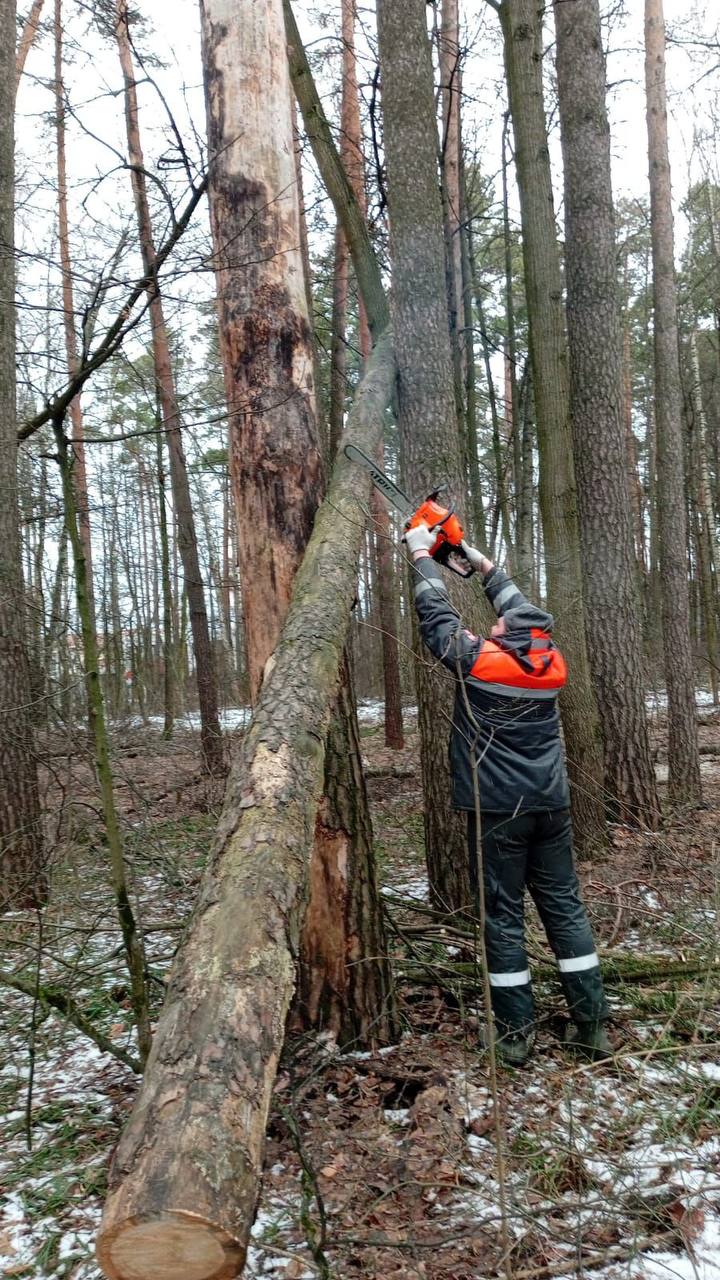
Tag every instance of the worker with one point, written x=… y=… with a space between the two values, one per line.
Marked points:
x=506 y=727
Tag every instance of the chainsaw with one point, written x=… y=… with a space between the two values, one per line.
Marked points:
x=447 y=549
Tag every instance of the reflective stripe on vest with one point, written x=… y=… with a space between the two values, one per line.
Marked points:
x=495 y=667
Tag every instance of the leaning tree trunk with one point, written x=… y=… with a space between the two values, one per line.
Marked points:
x=22 y=873
x=522 y=32
x=596 y=397
x=275 y=449
x=429 y=442
x=210 y=734
x=683 y=754
x=186 y=1174
x=448 y=40
x=351 y=154
x=27 y=39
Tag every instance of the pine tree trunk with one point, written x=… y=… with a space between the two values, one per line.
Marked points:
x=522 y=31
x=478 y=527
x=596 y=398
x=268 y=358
x=186 y=1174
x=210 y=734
x=22 y=882
x=430 y=452
x=683 y=754
x=351 y=154
x=448 y=40
x=27 y=39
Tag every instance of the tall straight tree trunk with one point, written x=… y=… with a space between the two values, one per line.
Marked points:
x=22 y=873
x=448 y=38
x=683 y=753
x=351 y=153
x=276 y=465
x=210 y=734
x=522 y=33
x=706 y=544
x=430 y=450
x=596 y=398
x=132 y=939
x=479 y=531
x=79 y=468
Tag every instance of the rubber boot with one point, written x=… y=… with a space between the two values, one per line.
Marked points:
x=513 y=1048
x=589 y=1040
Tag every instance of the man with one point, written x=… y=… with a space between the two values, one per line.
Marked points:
x=506 y=728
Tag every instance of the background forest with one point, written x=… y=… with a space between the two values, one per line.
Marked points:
x=481 y=240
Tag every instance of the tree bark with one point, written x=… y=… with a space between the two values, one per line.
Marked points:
x=186 y=1174
x=448 y=41
x=68 y=304
x=338 y=342
x=132 y=939
x=276 y=455
x=596 y=396
x=23 y=882
x=27 y=39
x=683 y=756
x=336 y=182
x=265 y=336
x=205 y=674
x=351 y=155
x=522 y=32
x=430 y=451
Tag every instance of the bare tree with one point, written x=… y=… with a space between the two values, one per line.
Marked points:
x=683 y=755
x=22 y=875
x=523 y=35
x=430 y=446
x=596 y=397
x=211 y=737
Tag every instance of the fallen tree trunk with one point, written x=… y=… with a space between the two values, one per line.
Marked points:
x=186 y=1174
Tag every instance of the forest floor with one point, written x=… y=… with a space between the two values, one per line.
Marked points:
x=610 y=1170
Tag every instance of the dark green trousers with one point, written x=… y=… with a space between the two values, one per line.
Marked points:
x=533 y=851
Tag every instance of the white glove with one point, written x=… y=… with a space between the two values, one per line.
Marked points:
x=420 y=539
x=476 y=558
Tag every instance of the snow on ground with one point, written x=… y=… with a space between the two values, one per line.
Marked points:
x=370 y=711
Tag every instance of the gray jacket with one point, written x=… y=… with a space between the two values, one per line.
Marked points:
x=511 y=733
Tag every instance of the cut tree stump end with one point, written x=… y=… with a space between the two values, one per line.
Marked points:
x=174 y=1246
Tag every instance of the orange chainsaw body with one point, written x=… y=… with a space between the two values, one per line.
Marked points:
x=446 y=549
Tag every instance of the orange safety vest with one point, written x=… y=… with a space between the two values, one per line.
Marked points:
x=496 y=666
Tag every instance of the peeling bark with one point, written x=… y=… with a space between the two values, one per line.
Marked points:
x=186 y=1174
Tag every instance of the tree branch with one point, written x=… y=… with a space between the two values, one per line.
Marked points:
x=121 y=325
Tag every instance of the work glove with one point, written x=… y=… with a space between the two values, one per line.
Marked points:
x=478 y=561
x=420 y=539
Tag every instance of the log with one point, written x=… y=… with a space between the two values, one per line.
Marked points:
x=185 y=1177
